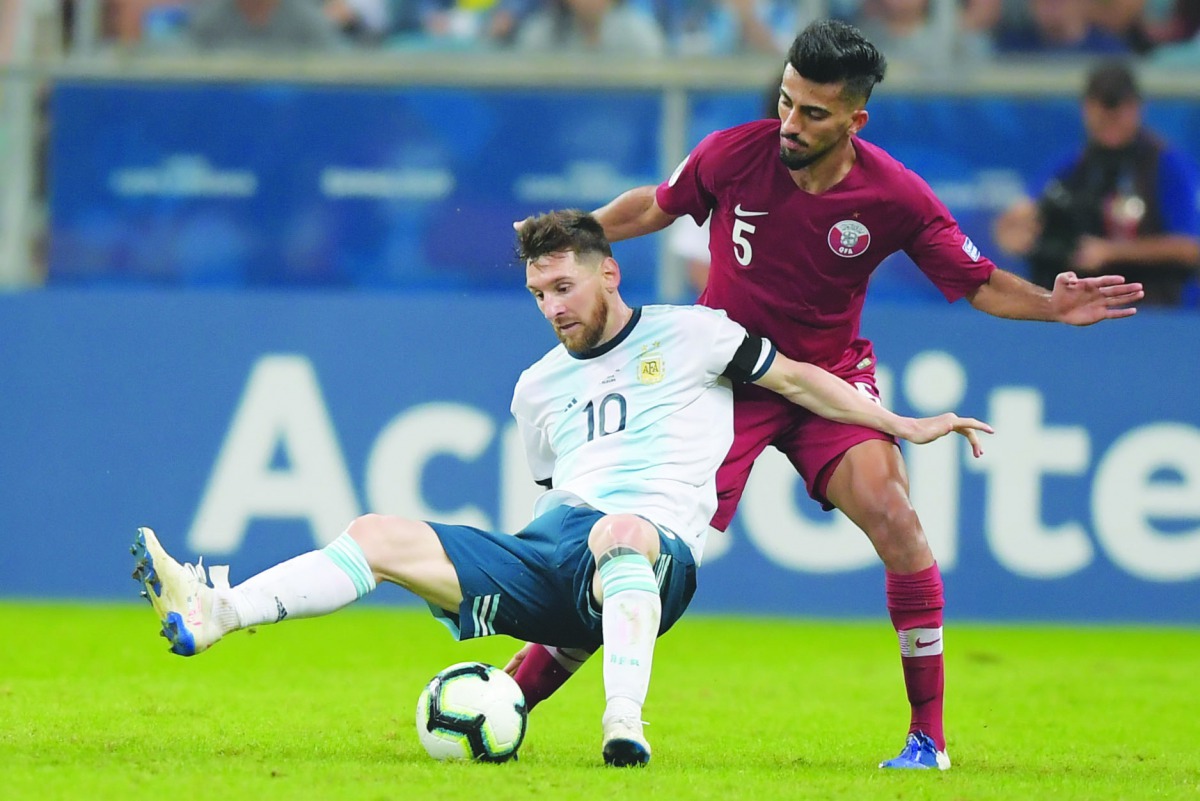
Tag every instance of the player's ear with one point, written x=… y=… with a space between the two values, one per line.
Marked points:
x=610 y=273
x=858 y=120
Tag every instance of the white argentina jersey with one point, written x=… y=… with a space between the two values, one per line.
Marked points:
x=640 y=424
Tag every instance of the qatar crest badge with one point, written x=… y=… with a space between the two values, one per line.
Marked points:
x=849 y=238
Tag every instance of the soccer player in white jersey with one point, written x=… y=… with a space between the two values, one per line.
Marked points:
x=626 y=422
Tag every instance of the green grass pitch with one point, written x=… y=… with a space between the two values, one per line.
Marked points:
x=93 y=707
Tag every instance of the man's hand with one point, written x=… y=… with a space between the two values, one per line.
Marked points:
x=517 y=659
x=1083 y=301
x=926 y=429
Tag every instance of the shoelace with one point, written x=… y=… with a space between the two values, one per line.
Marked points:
x=628 y=721
x=197 y=570
x=217 y=577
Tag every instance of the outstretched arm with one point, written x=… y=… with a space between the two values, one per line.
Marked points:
x=825 y=394
x=1075 y=300
x=1094 y=253
x=633 y=213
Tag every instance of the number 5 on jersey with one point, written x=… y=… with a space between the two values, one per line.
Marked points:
x=741 y=245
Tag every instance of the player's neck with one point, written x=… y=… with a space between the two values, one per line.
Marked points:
x=827 y=172
x=619 y=316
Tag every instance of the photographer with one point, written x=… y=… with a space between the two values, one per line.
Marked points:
x=1125 y=204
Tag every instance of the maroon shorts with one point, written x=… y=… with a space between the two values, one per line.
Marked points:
x=811 y=443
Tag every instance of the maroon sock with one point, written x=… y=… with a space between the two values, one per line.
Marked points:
x=539 y=675
x=915 y=604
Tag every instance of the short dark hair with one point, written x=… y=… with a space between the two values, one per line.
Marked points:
x=832 y=51
x=1112 y=83
x=568 y=230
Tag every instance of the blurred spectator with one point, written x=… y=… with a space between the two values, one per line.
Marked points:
x=591 y=26
x=133 y=22
x=262 y=26
x=1175 y=37
x=504 y=18
x=1128 y=20
x=458 y=21
x=906 y=31
x=726 y=27
x=362 y=21
x=1180 y=23
x=1125 y=205
x=767 y=26
x=980 y=16
x=456 y=24
x=689 y=27
x=1057 y=27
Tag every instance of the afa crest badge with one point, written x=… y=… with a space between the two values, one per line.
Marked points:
x=651 y=368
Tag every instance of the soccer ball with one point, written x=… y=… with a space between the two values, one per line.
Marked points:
x=472 y=711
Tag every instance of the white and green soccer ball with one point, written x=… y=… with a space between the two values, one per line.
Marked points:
x=472 y=711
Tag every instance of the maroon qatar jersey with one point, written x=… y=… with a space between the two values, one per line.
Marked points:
x=792 y=266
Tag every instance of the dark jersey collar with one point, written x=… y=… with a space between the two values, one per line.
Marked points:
x=621 y=336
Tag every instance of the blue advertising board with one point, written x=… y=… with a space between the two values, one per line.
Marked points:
x=248 y=427
x=247 y=184
x=253 y=184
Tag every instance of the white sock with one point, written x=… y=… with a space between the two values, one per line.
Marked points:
x=630 y=618
x=311 y=584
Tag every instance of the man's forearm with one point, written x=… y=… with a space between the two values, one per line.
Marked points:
x=826 y=395
x=1152 y=250
x=1012 y=297
x=633 y=213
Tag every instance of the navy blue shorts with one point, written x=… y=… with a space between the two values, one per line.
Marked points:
x=536 y=585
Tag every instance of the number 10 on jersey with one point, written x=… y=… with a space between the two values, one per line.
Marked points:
x=606 y=417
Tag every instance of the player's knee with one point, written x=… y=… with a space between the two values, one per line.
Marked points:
x=895 y=532
x=624 y=531
x=383 y=537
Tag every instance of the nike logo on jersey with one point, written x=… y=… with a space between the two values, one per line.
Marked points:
x=740 y=212
x=923 y=644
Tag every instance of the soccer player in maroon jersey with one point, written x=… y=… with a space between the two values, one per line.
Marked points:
x=802 y=210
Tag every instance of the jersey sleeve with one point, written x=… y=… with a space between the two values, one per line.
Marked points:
x=751 y=361
x=733 y=353
x=688 y=190
x=939 y=247
x=538 y=453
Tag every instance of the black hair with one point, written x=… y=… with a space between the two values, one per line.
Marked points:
x=1112 y=83
x=832 y=51
x=569 y=230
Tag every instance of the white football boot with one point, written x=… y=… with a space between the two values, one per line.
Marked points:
x=625 y=745
x=179 y=593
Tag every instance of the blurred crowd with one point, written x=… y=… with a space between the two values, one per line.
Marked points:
x=929 y=33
